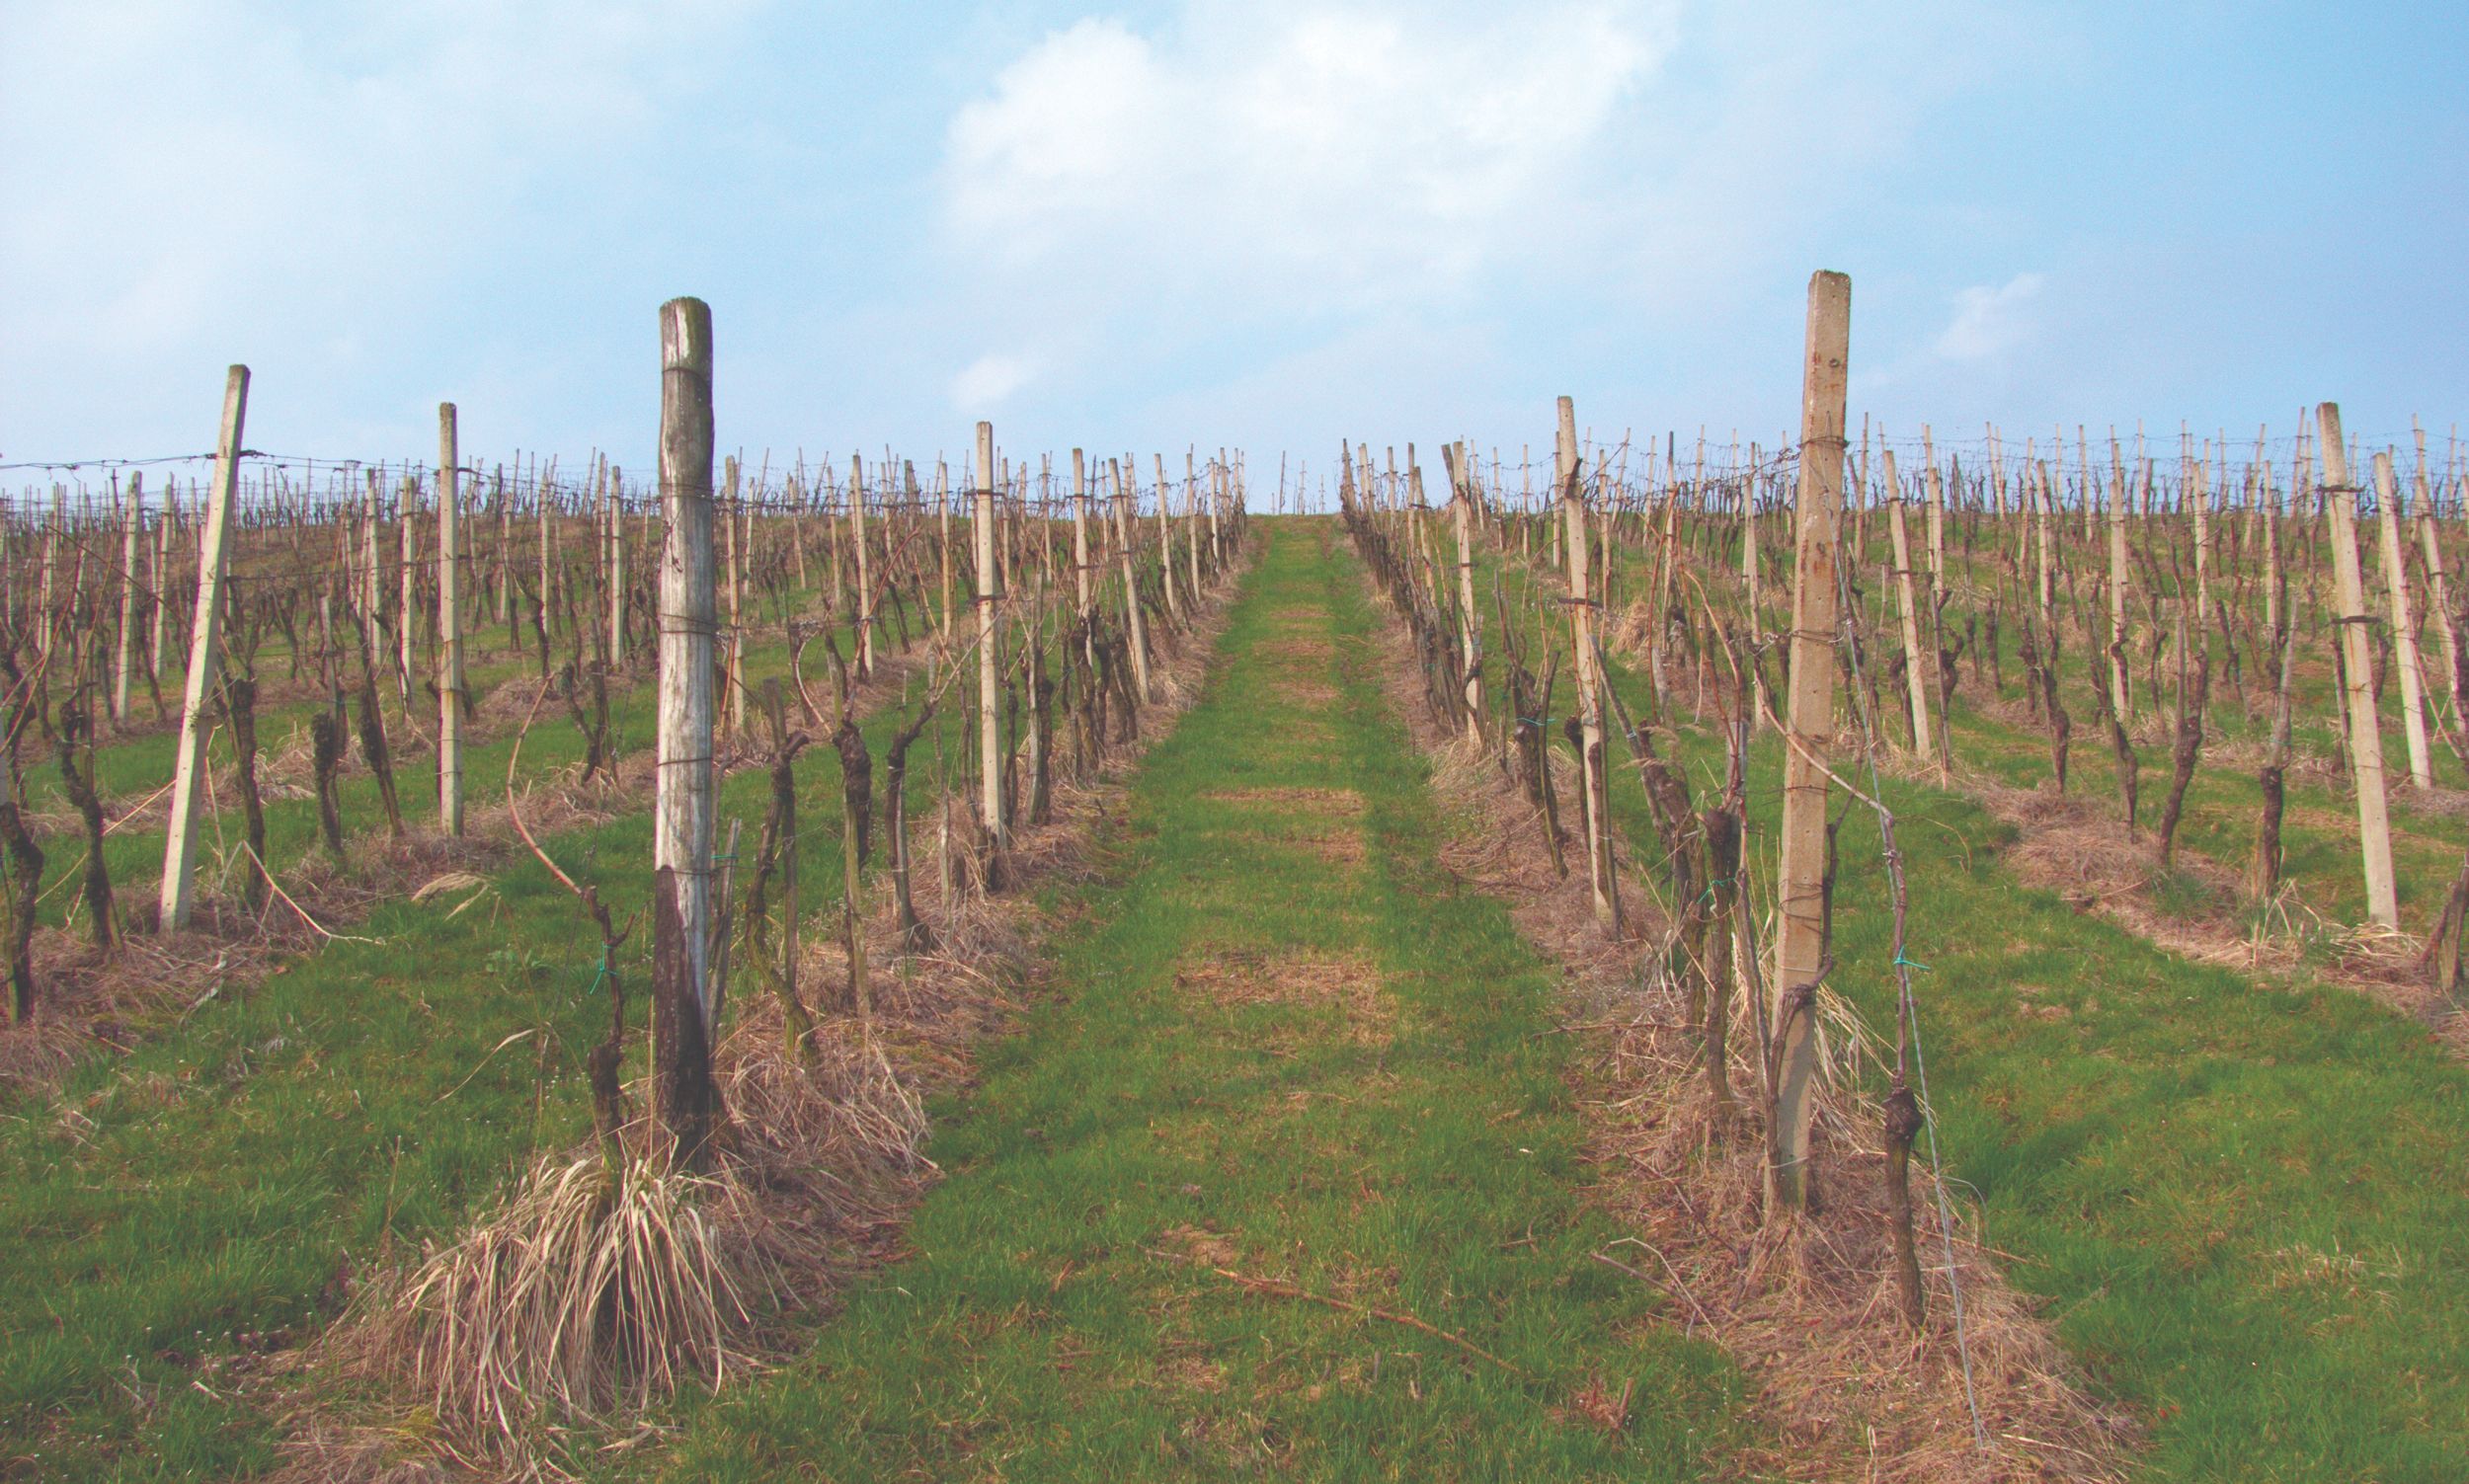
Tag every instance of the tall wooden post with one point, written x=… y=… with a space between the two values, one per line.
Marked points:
x=1080 y=532
x=2366 y=734
x=617 y=564
x=1165 y=547
x=505 y=552
x=682 y=842
x=865 y=589
x=133 y=521
x=2118 y=579
x=1124 y=531
x=943 y=518
x=162 y=572
x=450 y=624
x=2440 y=604
x=179 y=844
x=408 y=496
x=372 y=596
x=727 y=514
x=544 y=491
x=2404 y=623
x=1915 y=672
x=990 y=685
x=1191 y=514
x=1470 y=634
x=1801 y=886
x=1590 y=761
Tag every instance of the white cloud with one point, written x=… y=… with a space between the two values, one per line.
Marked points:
x=990 y=379
x=1314 y=151
x=194 y=181
x=1988 y=322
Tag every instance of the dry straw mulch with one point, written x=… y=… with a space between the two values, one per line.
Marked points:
x=1808 y=1306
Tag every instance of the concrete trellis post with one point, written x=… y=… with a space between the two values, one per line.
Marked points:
x=2366 y=731
x=682 y=811
x=450 y=624
x=179 y=845
x=1800 y=889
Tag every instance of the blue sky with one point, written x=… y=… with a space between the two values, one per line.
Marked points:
x=1263 y=225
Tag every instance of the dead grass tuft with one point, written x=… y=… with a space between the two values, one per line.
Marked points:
x=1246 y=977
x=1343 y=802
x=596 y=1286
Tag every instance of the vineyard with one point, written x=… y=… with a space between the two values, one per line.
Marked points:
x=1930 y=957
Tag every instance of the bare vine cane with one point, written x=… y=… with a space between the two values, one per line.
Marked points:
x=608 y=1096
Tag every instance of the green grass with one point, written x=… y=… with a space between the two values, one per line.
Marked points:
x=2244 y=1203
x=1423 y=1158
x=207 y=1194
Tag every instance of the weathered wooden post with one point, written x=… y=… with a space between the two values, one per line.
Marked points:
x=179 y=844
x=990 y=682
x=133 y=520
x=504 y=552
x=2440 y=604
x=1191 y=512
x=2404 y=623
x=865 y=581
x=1165 y=548
x=1916 y=679
x=450 y=624
x=1810 y=698
x=682 y=844
x=1581 y=603
x=617 y=564
x=407 y=496
x=1470 y=634
x=2117 y=581
x=162 y=572
x=364 y=586
x=1080 y=536
x=1124 y=531
x=2365 y=732
x=728 y=514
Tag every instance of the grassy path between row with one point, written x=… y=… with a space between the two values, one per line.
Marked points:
x=2245 y=1201
x=1279 y=1044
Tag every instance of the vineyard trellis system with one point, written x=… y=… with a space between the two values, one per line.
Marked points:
x=1003 y=634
